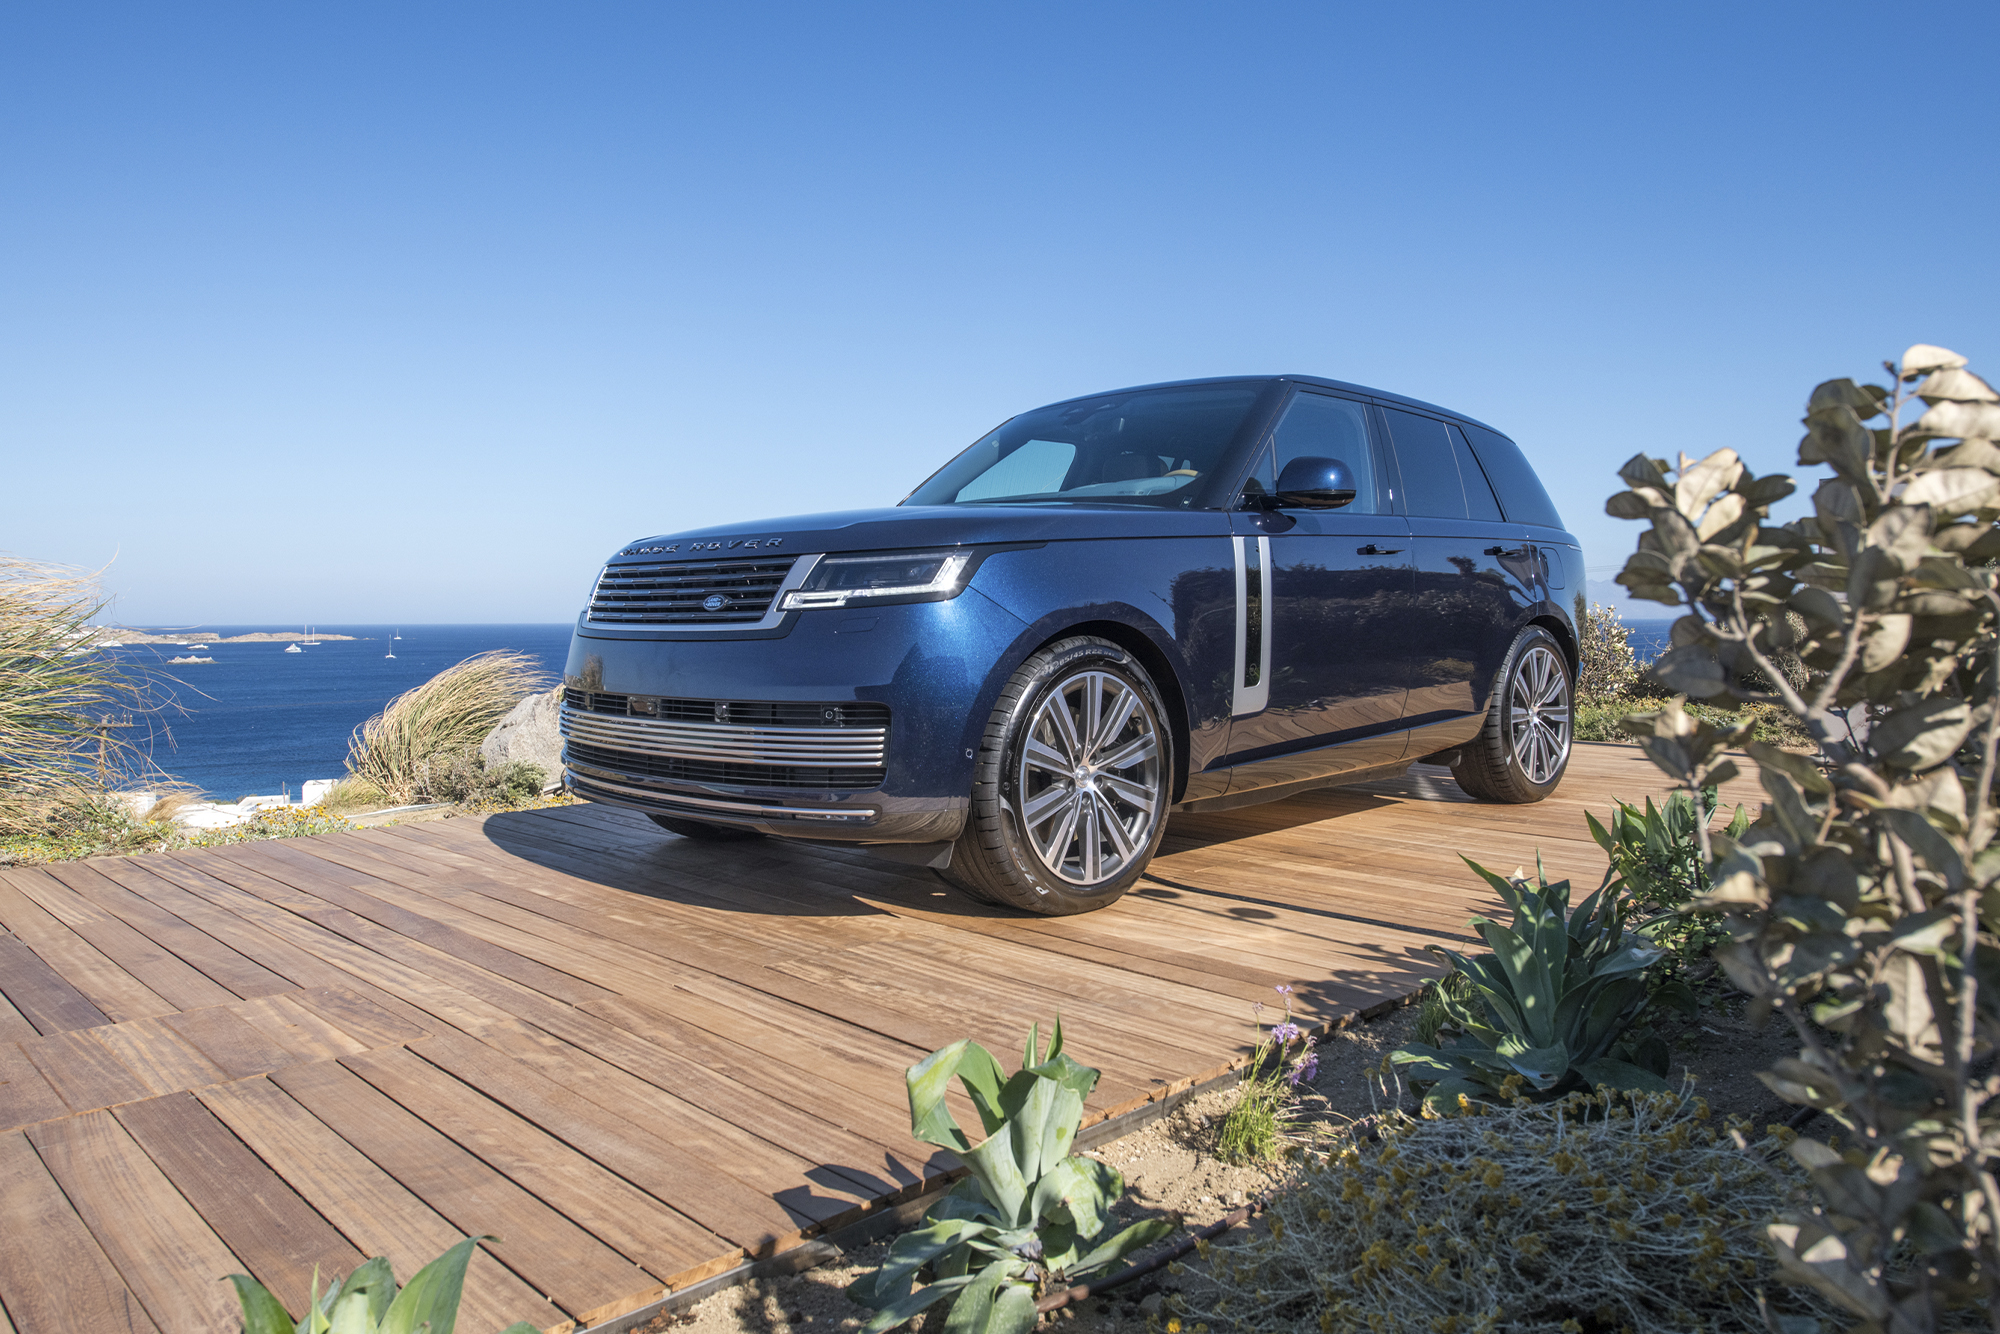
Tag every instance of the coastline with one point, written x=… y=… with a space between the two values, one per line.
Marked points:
x=182 y=637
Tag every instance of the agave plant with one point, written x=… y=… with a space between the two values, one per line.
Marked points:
x=1656 y=863
x=1550 y=1009
x=368 y=1302
x=1019 y=1221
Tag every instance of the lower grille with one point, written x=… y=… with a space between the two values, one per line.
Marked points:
x=670 y=746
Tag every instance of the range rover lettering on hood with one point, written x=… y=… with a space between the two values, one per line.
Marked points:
x=748 y=543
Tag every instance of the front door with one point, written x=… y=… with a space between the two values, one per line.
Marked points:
x=1319 y=683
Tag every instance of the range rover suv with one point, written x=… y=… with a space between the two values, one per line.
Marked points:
x=1178 y=597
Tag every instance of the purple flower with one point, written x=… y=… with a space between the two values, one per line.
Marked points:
x=1303 y=1069
x=1257 y=1007
x=1285 y=1032
x=1282 y=990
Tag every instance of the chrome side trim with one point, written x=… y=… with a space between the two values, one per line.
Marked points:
x=1252 y=699
x=744 y=808
x=829 y=746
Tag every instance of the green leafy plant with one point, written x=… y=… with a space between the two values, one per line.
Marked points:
x=424 y=744
x=1656 y=863
x=1019 y=1220
x=1863 y=903
x=1550 y=1008
x=368 y=1302
x=1432 y=1016
x=1255 y=1127
x=1607 y=666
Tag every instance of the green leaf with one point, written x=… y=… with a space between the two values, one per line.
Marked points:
x=1136 y=1237
x=432 y=1293
x=262 y=1313
x=910 y=1252
x=911 y=1305
x=1621 y=1075
x=977 y=1306
x=1923 y=735
x=1690 y=671
x=362 y=1298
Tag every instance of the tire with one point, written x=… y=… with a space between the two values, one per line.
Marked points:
x=701 y=831
x=1053 y=828
x=1522 y=751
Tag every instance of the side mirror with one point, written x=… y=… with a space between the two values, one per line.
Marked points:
x=1314 y=484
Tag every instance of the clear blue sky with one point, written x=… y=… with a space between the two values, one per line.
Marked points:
x=392 y=312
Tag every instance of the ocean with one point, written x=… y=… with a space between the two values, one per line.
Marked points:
x=260 y=720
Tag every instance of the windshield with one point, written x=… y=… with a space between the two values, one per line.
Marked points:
x=1147 y=447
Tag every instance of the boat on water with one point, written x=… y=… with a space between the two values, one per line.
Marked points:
x=197 y=647
x=293 y=648
x=190 y=658
x=392 y=648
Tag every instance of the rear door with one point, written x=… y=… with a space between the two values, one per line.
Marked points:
x=1319 y=593
x=1476 y=573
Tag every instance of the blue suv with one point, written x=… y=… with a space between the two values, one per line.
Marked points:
x=1178 y=597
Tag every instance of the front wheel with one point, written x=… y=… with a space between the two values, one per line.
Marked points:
x=1070 y=790
x=1522 y=751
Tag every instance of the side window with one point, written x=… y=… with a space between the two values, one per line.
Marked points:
x=1521 y=492
x=1424 y=456
x=1321 y=426
x=1479 y=501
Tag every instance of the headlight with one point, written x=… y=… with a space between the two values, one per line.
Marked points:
x=890 y=576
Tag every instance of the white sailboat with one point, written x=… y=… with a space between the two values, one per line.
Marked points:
x=293 y=648
x=392 y=648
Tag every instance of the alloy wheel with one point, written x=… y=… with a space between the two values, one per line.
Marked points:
x=1539 y=719
x=1089 y=778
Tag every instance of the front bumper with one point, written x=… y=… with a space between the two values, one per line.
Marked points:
x=851 y=727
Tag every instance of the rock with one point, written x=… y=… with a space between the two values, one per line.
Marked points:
x=1151 y=1304
x=529 y=735
x=137 y=803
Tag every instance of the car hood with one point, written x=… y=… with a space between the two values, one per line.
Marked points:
x=925 y=526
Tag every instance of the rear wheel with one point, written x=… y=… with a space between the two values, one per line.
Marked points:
x=1070 y=790
x=1522 y=751
x=701 y=830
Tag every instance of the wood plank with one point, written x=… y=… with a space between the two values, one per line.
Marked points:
x=162 y=972
x=170 y=1259
x=25 y=1096
x=240 y=975
x=558 y=1258
x=165 y=1060
x=698 y=1185
x=230 y=1041
x=106 y=985
x=13 y=1024
x=278 y=1237
x=304 y=1035
x=39 y=993
x=54 y=1278
x=638 y=1226
x=355 y=1015
x=367 y=1204
x=85 y=1073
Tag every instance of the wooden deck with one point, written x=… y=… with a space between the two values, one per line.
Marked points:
x=635 y=1059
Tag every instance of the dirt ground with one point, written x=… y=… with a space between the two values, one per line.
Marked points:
x=1170 y=1167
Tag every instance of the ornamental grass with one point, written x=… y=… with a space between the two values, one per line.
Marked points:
x=66 y=711
x=424 y=740
x=1592 y=1213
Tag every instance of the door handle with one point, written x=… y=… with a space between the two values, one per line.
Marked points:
x=1372 y=550
x=1517 y=553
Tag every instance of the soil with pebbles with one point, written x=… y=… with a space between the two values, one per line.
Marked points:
x=1171 y=1168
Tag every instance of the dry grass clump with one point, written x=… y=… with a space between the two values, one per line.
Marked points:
x=425 y=742
x=1588 y=1215
x=64 y=709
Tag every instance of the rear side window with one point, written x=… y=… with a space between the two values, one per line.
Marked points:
x=1479 y=501
x=1521 y=492
x=1431 y=486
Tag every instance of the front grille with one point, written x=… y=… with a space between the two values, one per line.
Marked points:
x=672 y=592
x=803 y=745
